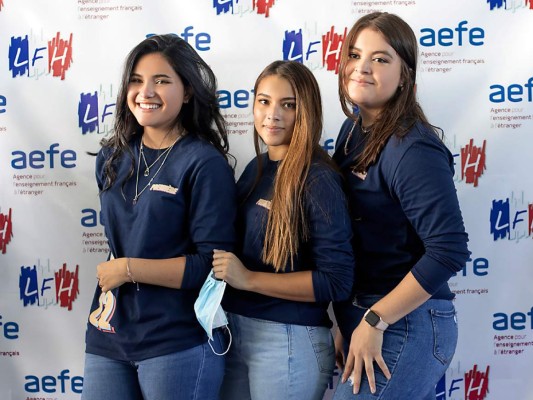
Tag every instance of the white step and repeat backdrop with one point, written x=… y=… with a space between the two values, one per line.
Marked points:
x=60 y=64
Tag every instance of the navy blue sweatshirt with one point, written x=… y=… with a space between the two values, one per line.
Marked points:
x=405 y=212
x=327 y=252
x=188 y=210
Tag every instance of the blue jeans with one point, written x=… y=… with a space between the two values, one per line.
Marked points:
x=274 y=361
x=192 y=374
x=417 y=350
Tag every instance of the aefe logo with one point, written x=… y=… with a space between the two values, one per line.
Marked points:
x=37 y=159
x=53 y=384
x=9 y=330
x=513 y=93
x=517 y=321
x=452 y=36
x=239 y=98
x=90 y=218
x=3 y=104
x=201 y=41
x=477 y=266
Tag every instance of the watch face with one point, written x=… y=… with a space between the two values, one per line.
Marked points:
x=372 y=318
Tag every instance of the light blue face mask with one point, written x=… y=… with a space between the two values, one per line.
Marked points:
x=208 y=310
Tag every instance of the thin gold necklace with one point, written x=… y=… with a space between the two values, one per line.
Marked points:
x=166 y=153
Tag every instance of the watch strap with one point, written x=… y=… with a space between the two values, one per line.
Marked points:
x=375 y=320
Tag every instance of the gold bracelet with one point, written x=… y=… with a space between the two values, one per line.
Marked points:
x=128 y=272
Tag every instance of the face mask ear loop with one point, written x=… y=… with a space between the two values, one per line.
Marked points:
x=229 y=344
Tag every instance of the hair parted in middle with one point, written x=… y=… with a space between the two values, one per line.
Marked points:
x=287 y=225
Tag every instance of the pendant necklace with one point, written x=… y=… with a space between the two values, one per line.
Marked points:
x=147 y=170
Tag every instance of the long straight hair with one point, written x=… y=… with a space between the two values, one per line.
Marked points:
x=402 y=110
x=287 y=223
x=199 y=116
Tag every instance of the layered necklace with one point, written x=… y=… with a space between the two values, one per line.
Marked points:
x=163 y=155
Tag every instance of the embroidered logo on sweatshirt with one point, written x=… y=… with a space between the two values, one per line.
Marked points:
x=264 y=203
x=164 y=188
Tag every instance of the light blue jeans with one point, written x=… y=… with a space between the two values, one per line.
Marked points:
x=417 y=350
x=192 y=374
x=274 y=361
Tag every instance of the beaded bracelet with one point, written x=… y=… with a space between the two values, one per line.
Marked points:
x=128 y=272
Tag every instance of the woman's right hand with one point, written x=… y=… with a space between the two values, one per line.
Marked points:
x=112 y=273
x=229 y=268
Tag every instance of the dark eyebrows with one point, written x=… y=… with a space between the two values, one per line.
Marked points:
x=154 y=77
x=269 y=97
x=384 y=52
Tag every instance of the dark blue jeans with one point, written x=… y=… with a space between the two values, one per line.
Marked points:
x=417 y=350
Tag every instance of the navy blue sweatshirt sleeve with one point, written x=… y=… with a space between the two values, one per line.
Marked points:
x=211 y=217
x=423 y=184
x=330 y=237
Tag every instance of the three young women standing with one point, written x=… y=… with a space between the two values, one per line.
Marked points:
x=294 y=252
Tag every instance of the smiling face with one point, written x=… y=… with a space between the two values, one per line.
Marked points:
x=275 y=114
x=155 y=95
x=372 y=74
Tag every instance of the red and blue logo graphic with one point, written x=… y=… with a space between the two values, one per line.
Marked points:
x=6 y=230
x=42 y=287
x=93 y=110
x=261 y=7
x=322 y=53
x=513 y=6
x=472 y=161
x=474 y=384
x=29 y=56
x=511 y=219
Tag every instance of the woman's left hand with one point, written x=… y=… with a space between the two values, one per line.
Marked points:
x=365 y=349
x=228 y=267
x=112 y=273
